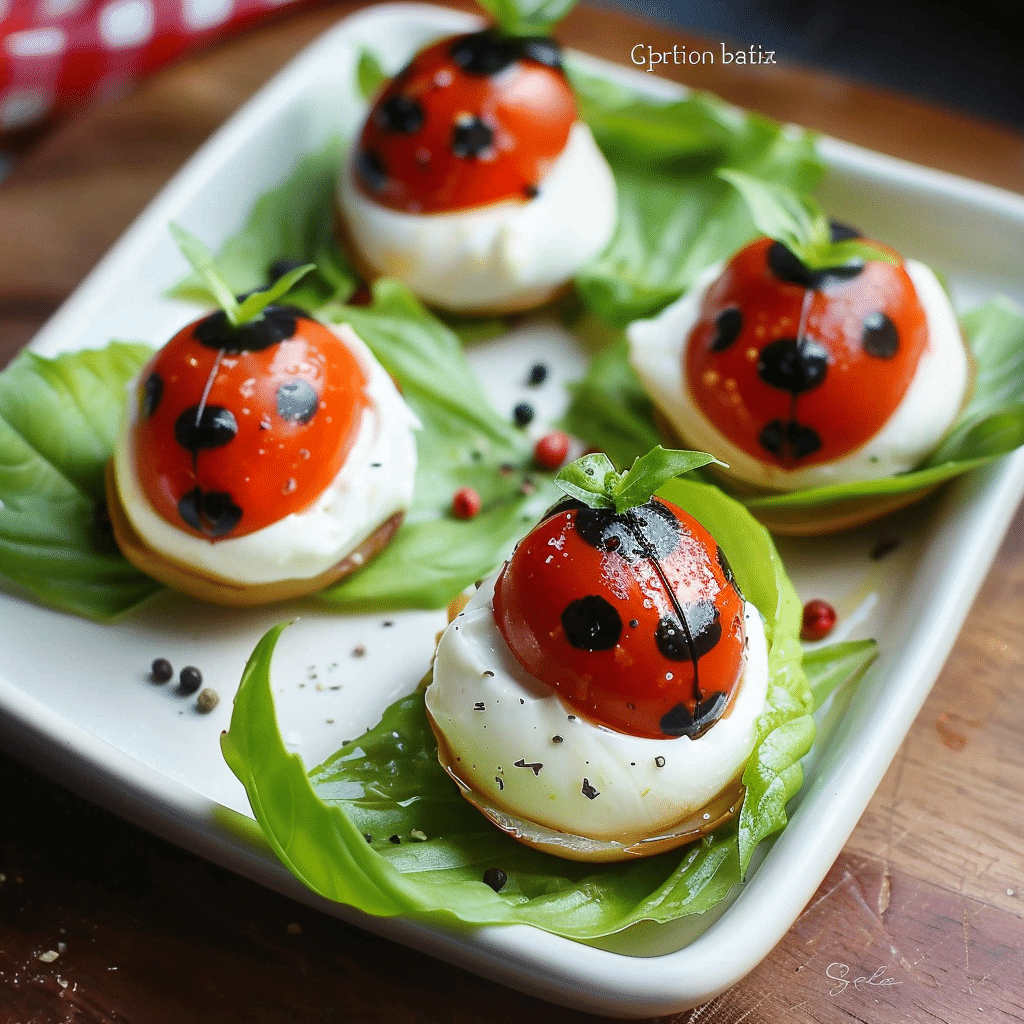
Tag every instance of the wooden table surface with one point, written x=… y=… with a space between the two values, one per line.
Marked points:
x=920 y=920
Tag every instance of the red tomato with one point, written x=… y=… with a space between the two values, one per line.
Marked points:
x=237 y=428
x=472 y=120
x=798 y=368
x=634 y=618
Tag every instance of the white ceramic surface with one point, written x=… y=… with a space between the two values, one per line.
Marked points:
x=75 y=699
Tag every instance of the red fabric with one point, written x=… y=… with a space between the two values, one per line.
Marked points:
x=55 y=54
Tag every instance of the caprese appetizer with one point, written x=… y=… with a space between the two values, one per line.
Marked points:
x=473 y=179
x=812 y=357
x=262 y=456
x=597 y=697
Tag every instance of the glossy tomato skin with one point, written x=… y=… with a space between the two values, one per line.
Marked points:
x=634 y=618
x=799 y=368
x=472 y=120
x=239 y=427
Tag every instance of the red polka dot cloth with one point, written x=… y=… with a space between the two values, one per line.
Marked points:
x=56 y=54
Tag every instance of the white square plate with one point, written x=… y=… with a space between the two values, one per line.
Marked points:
x=75 y=697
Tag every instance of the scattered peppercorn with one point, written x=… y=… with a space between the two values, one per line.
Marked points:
x=396 y=839
x=190 y=679
x=161 y=670
x=523 y=414
x=495 y=878
x=207 y=700
x=359 y=651
x=819 y=620
x=551 y=450
x=538 y=374
x=465 y=503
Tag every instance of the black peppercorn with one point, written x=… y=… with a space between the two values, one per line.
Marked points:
x=495 y=878
x=190 y=679
x=161 y=670
x=538 y=374
x=523 y=414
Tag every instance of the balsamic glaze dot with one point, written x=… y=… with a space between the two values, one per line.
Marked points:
x=370 y=170
x=275 y=324
x=200 y=429
x=591 y=624
x=152 y=392
x=542 y=49
x=793 y=365
x=880 y=337
x=471 y=137
x=483 y=53
x=297 y=400
x=649 y=530
x=681 y=721
x=705 y=628
x=789 y=439
x=399 y=114
x=212 y=513
x=728 y=327
x=537 y=375
x=788 y=267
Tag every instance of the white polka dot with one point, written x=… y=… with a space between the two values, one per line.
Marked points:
x=125 y=23
x=53 y=10
x=200 y=14
x=35 y=42
x=22 y=106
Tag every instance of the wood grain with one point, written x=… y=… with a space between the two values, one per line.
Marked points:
x=920 y=920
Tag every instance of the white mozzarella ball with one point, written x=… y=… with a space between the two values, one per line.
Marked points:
x=514 y=254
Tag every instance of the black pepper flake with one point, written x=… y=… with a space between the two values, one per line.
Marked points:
x=386 y=623
x=368 y=837
x=500 y=781
x=633 y=623
x=534 y=765
x=488 y=672
x=161 y=670
x=523 y=414
x=394 y=839
x=572 y=718
x=884 y=546
x=537 y=375
x=588 y=790
x=556 y=739
x=479 y=706
x=507 y=469
x=531 y=191
x=659 y=761
x=376 y=465
x=359 y=651
x=495 y=878
x=190 y=679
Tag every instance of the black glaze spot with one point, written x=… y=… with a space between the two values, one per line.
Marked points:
x=152 y=392
x=841 y=232
x=789 y=439
x=880 y=337
x=297 y=400
x=680 y=721
x=489 y=52
x=197 y=431
x=787 y=266
x=642 y=532
x=531 y=191
x=705 y=627
x=212 y=513
x=282 y=266
x=471 y=137
x=274 y=325
x=370 y=170
x=723 y=564
x=728 y=326
x=399 y=114
x=792 y=365
x=591 y=624
x=567 y=504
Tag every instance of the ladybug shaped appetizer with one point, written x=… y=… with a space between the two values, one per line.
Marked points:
x=473 y=180
x=263 y=456
x=597 y=696
x=800 y=372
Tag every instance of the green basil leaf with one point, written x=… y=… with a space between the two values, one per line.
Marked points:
x=58 y=423
x=463 y=443
x=290 y=222
x=590 y=479
x=525 y=18
x=251 y=307
x=389 y=783
x=203 y=264
x=676 y=221
x=653 y=470
x=370 y=73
